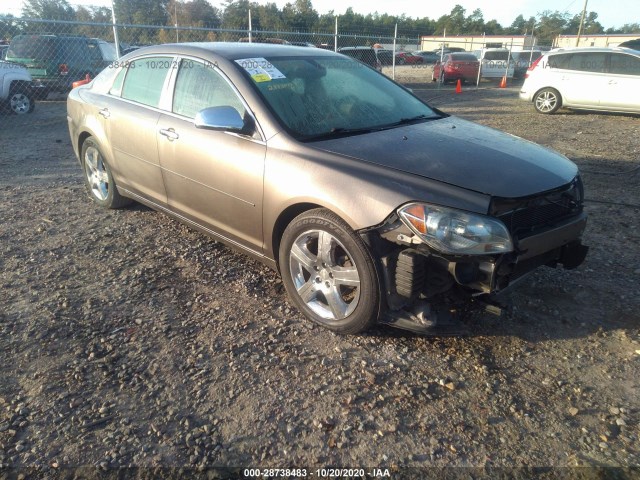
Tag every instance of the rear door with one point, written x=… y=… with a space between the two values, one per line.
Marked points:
x=582 y=78
x=132 y=113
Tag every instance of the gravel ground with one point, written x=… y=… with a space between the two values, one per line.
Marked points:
x=129 y=340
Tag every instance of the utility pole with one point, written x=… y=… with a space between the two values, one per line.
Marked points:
x=584 y=11
x=115 y=31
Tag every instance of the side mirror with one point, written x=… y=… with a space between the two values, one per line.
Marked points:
x=223 y=118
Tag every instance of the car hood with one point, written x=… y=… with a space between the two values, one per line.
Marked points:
x=463 y=154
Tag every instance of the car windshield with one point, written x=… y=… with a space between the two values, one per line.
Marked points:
x=320 y=97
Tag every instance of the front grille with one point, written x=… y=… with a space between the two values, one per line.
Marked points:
x=529 y=214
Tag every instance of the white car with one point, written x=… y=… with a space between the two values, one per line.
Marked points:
x=15 y=88
x=591 y=78
x=495 y=63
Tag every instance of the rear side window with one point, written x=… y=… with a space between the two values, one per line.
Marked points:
x=587 y=62
x=145 y=79
x=559 y=61
x=623 y=64
x=32 y=46
x=200 y=86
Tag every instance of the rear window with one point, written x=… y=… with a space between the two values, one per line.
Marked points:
x=496 y=55
x=32 y=46
x=463 y=57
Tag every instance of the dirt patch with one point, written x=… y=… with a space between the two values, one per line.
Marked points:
x=128 y=339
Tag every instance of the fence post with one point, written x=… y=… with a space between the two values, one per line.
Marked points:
x=480 y=60
x=115 y=31
x=393 y=60
x=250 y=40
x=335 y=37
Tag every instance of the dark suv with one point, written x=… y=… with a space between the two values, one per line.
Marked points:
x=366 y=55
x=55 y=62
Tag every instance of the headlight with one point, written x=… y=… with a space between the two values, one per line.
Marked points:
x=456 y=232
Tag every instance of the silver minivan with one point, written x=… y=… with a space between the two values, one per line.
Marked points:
x=592 y=78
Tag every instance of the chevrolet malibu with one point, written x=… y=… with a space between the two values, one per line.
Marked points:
x=373 y=206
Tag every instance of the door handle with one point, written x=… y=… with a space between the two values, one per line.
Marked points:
x=169 y=133
x=104 y=112
x=613 y=82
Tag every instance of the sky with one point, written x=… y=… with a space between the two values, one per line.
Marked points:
x=611 y=13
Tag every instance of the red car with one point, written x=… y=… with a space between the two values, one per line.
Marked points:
x=454 y=66
x=406 y=58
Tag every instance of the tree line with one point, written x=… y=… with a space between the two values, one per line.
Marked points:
x=297 y=16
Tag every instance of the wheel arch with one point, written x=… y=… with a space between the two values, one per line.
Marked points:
x=284 y=219
x=547 y=87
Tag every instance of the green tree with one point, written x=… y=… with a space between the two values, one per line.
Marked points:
x=300 y=15
x=192 y=13
x=235 y=15
x=591 y=25
x=474 y=23
x=550 y=25
x=48 y=10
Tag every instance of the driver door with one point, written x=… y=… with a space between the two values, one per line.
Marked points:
x=213 y=178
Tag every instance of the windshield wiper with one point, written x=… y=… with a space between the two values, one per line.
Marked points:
x=406 y=121
x=338 y=132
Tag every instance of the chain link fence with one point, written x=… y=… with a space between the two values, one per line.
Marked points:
x=57 y=53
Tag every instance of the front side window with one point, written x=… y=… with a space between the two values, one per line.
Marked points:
x=623 y=64
x=198 y=86
x=145 y=79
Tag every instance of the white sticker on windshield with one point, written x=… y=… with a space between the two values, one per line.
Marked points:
x=260 y=69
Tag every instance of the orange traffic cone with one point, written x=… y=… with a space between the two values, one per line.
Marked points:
x=459 y=87
x=503 y=82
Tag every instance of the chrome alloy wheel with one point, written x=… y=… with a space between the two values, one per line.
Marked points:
x=96 y=173
x=546 y=101
x=324 y=274
x=20 y=103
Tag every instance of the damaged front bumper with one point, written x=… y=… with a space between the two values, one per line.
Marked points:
x=423 y=286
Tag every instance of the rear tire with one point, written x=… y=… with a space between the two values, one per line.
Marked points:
x=98 y=178
x=547 y=101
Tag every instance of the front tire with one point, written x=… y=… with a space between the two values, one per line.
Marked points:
x=547 y=101
x=98 y=178
x=329 y=273
x=20 y=100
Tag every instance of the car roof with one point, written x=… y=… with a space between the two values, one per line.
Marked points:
x=594 y=50
x=233 y=50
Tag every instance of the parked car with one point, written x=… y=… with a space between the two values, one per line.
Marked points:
x=523 y=59
x=585 y=78
x=456 y=66
x=407 y=58
x=366 y=55
x=495 y=62
x=372 y=205
x=16 y=94
x=449 y=50
x=303 y=44
x=385 y=57
x=428 y=57
x=632 y=44
x=55 y=61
